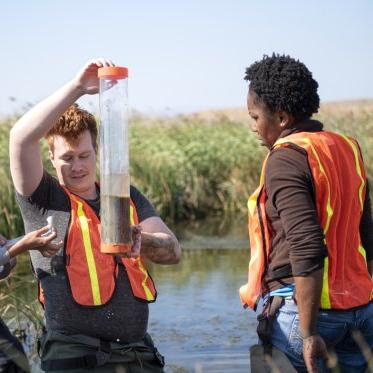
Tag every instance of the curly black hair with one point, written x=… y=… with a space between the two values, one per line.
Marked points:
x=282 y=83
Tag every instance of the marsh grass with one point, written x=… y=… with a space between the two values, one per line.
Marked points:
x=191 y=167
x=20 y=308
x=188 y=167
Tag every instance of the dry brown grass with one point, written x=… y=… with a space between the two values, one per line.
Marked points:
x=335 y=109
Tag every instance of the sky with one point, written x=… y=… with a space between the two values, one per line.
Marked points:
x=183 y=56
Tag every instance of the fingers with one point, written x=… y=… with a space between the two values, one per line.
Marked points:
x=314 y=350
x=54 y=247
x=136 y=229
x=46 y=234
x=100 y=62
x=47 y=254
x=110 y=62
x=51 y=249
x=50 y=235
x=42 y=230
x=136 y=246
x=136 y=243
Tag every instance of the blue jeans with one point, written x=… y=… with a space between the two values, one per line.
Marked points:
x=335 y=328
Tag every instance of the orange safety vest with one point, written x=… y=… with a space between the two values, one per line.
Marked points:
x=339 y=180
x=91 y=274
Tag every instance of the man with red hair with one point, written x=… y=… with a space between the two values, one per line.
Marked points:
x=96 y=309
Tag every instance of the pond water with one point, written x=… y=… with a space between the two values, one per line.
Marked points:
x=198 y=322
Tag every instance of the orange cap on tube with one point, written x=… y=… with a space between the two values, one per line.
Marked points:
x=113 y=72
x=115 y=249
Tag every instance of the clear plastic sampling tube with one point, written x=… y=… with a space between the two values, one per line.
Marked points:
x=114 y=161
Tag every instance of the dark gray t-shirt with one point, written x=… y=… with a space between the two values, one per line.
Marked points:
x=124 y=318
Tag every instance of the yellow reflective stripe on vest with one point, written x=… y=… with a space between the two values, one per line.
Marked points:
x=325 y=296
x=89 y=254
x=358 y=169
x=262 y=174
x=329 y=209
x=132 y=217
x=363 y=252
x=361 y=188
x=252 y=202
x=148 y=293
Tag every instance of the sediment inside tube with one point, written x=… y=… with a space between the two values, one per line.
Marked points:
x=115 y=219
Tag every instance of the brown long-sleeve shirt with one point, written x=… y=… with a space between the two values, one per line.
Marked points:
x=296 y=236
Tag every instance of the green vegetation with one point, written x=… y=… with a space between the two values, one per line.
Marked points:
x=10 y=219
x=190 y=167
x=358 y=125
x=187 y=169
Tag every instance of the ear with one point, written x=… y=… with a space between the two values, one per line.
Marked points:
x=285 y=119
x=51 y=157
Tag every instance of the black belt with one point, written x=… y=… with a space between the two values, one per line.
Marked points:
x=265 y=320
x=99 y=358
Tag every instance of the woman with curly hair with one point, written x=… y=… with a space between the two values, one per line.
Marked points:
x=310 y=225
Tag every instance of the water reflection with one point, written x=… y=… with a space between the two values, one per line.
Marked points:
x=197 y=322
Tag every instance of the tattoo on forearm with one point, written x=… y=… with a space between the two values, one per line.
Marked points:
x=158 y=249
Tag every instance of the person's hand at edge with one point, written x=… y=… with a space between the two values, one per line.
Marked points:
x=37 y=240
x=314 y=349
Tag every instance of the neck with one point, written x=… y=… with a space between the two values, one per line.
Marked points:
x=89 y=193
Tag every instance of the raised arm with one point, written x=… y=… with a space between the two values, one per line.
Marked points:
x=25 y=159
